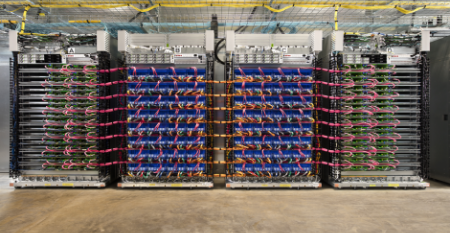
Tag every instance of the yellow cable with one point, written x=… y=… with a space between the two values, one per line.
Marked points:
x=278 y=10
x=85 y=21
x=242 y=2
x=437 y=7
x=7 y=21
x=184 y=6
x=35 y=34
x=24 y=18
x=367 y=7
x=353 y=33
x=414 y=3
x=109 y=6
x=144 y=10
x=404 y=11
x=336 y=9
x=358 y=7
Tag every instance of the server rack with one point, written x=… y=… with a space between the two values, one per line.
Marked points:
x=375 y=110
x=439 y=147
x=56 y=134
x=270 y=110
x=167 y=110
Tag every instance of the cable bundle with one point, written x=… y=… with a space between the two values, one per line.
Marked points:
x=372 y=115
x=273 y=129
x=67 y=124
x=166 y=125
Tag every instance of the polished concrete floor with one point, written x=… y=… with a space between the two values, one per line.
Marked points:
x=220 y=210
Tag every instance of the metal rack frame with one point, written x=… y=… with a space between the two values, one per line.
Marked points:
x=98 y=178
x=425 y=116
x=231 y=64
x=230 y=142
x=14 y=123
x=398 y=179
x=203 y=182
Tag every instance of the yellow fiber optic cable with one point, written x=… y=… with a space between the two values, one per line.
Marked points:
x=358 y=7
x=7 y=21
x=24 y=18
x=336 y=9
x=85 y=21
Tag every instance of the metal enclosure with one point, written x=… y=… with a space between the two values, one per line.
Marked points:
x=5 y=56
x=440 y=96
x=168 y=81
x=396 y=74
x=270 y=110
x=57 y=139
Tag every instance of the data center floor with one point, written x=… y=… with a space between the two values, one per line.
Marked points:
x=221 y=210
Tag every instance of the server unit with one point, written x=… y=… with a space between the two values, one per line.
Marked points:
x=270 y=97
x=374 y=103
x=57 y=136
x=167 y=106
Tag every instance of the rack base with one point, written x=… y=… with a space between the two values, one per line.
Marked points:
x=56 y=184
x=372 y=185
x=277 y=185
x=189 y=185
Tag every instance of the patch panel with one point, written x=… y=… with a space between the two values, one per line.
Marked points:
x=150 y=58
x=259 y=58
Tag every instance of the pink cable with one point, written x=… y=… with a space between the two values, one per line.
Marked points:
x=334 y=111
x=347 y=151
x=280 y=71
x=154 y=71
x=335 y=97
x=173 y=71
x=261 y=72
x=351 y=84
x=387 y=84
x=195 y=70
x=335 y=124
x=390 y=124
x=242 y=72
x=334 y=138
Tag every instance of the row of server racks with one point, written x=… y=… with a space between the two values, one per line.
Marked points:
x=350 y=110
